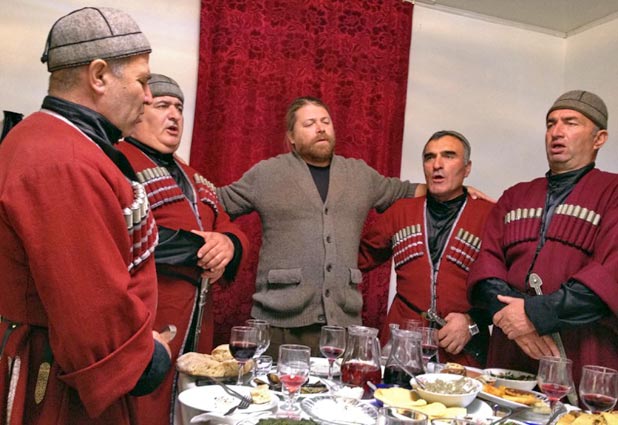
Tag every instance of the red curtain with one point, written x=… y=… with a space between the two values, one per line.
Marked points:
x=255 y=58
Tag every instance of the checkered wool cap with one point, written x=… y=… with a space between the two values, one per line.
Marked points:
x=160 y=85
x=92 y=33
x=589 y=104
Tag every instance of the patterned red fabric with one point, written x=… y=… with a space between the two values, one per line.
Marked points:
x=255 y=58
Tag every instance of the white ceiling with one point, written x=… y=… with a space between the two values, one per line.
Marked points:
x=561 y=17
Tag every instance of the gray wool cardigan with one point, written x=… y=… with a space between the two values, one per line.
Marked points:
x=308 y=271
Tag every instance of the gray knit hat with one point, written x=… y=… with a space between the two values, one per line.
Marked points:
x=92 y=33
x=160 y=85
x=589 y=104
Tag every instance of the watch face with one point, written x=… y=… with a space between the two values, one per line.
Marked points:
x=474 y=329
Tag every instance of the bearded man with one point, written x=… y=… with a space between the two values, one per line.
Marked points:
x=313 y=205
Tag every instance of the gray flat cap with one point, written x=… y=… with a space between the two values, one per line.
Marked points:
x=92 y=33
x=160 y=85
x=585 y=102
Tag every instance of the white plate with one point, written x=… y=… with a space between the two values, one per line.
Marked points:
x=508 y=403
x=339 y=410
x=213 y=398
x=319 y=366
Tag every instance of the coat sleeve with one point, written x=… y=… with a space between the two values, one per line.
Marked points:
x=375 y=247
x=69 y=218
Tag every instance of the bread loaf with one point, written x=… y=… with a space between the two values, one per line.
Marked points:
x=218 y=364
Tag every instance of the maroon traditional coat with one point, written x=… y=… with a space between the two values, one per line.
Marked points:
x=177 y=296
x=581 y=243
x=401 y=233
x=68 y=250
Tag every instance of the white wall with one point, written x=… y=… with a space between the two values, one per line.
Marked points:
x=491 y=82
x=592 y=64
x=172 y=28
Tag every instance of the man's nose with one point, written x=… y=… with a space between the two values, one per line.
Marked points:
x=556 y=130
x=147 y=95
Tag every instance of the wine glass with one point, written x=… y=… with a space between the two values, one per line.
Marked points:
x=598 y=388
x=293 y=369
x=555 y=378
x=429 y=344
x=243 y=344
x=332 y=345
x=412 y=324
x=263 y=339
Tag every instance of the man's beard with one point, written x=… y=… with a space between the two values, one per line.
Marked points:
x=318 y=153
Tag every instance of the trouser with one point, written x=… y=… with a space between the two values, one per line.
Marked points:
x=305 y=335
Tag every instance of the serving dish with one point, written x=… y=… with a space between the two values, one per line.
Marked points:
x=470 y=389
x=512 y=378
x=335 y=410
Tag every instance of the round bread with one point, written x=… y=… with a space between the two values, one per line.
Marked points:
x=222 y=353
x=199 y=364
x=454 y=368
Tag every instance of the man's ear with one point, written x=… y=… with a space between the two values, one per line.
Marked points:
x=97 y=78
x=289 y=137
x=599 y=139
x=468 y=168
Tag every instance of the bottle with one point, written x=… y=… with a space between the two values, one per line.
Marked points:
x=406 y=351
x=361 y=359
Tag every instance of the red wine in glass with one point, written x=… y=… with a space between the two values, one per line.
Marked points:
x=331 y=352
x=555 y=391
x=332 y=344
x=598 y=402
x=598 y=388
x=358 y=373
x=243 y=350
x=429 y=350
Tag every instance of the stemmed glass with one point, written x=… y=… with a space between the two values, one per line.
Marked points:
x=263 y=338
x=598 y=388
x=243 y=344
x=332 y=345
x=555 y=378
x=293 y=369
x=429 y=344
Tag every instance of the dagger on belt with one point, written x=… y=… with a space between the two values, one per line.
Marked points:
x=204 y=284
x=535 y=282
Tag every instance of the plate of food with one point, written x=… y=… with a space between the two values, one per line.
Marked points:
x=313 y=384
x=319 y=367
x=512 y=397
x=213 y=398
x=512 y=378
x=335 y=410
x=401 y=397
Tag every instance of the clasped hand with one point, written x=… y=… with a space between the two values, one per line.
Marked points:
x=514 y=323
x=215 y=254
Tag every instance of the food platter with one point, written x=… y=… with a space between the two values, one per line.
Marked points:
x=339 y=410
x=509 y=403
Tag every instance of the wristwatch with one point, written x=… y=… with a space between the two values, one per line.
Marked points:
x=473 y=328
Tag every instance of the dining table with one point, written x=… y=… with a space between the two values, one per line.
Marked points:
x=484 y=407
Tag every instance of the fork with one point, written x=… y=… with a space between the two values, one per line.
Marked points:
x=244 y=403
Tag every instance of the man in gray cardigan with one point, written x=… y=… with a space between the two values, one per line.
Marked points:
x=313 y=205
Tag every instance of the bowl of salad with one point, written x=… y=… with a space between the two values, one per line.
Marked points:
x=512 y=378
x=450 y=390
